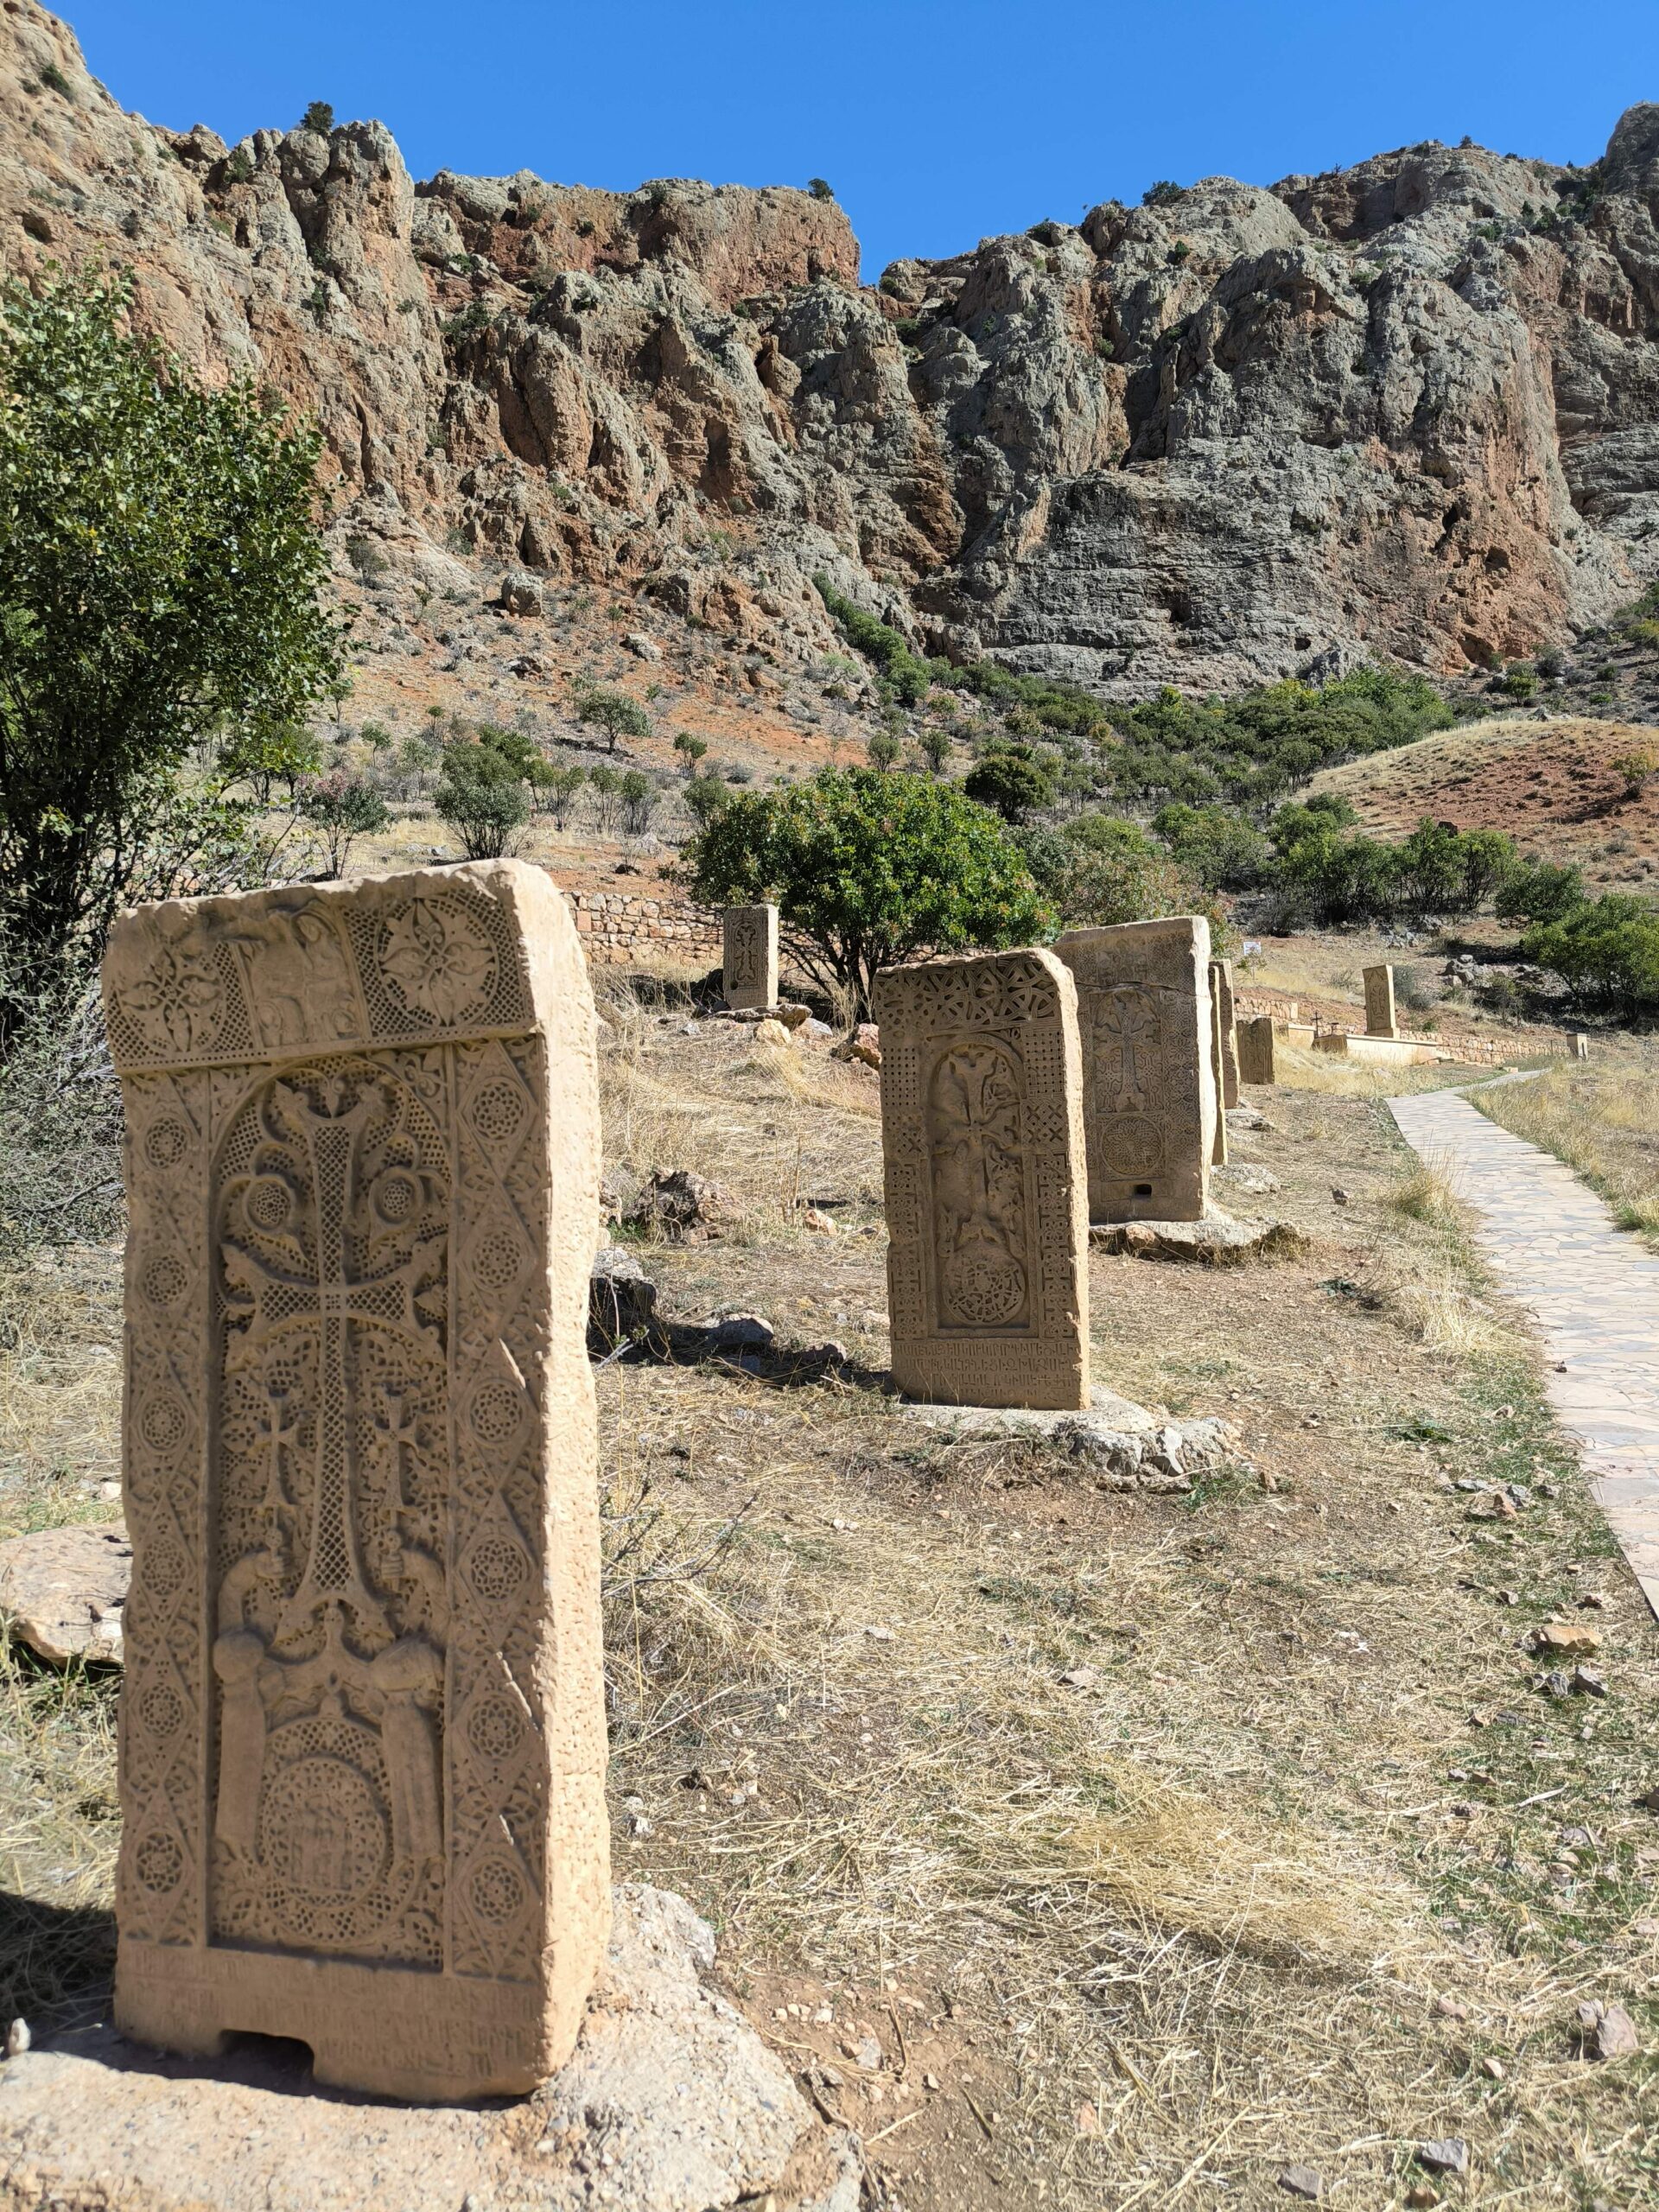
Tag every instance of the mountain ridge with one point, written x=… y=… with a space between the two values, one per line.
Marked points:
x=1408 y=410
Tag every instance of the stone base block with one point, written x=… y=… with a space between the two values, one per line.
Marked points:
x=1217 y=1241
x=671 y=2103
x=1121 y=1445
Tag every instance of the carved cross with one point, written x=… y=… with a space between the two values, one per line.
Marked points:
x=330 y=1302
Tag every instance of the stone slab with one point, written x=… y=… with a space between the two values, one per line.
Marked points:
x=63 y=1591
x=1380 y=1019
x=670 y=2102
x=981 y=1134
x=1118 y=1442
x=1255 y=1049
x=749 y=948
x=362 y=1735
x=1217 y=1241
x=1221 y=990
x=1150 y=1099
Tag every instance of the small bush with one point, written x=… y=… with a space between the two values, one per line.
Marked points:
x=343 y=808
x=614 y=712
x=320 y=117
x=1163 y=193
x=1607 y=950
x=820 y=187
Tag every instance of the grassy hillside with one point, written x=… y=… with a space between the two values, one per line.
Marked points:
x=1560 y=787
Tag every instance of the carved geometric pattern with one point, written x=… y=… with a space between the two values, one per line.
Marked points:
x=982 y=1134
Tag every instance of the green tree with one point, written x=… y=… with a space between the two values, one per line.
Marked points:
x=320 y=117
x=705 y=796
x=160 y=574
x=614 y=712
x=692 y=749
x=1607 y=950
x=1099 y=871
x=343 y=807
x=1218 y=848
x=934 y=744
x=559 y=789
x=883 y=749
x=639 y=796
x=1012 y=780
x=1536 y=892
x=481 y=796
x=820 y=187
x=867 y=866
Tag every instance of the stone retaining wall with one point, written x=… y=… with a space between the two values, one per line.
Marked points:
x=619 y=928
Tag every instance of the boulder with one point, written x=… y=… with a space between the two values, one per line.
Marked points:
x=1217 y=1241
x=621 y=1299
x=683 y=1208
x=62 y=1591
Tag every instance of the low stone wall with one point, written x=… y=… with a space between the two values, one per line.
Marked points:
x=623 y=928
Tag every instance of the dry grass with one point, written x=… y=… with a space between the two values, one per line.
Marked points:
x=1339 y=1076
x=1186 y=1915
x=1602 y=1118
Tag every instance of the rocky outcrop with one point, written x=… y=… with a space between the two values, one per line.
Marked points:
x=1409 y=409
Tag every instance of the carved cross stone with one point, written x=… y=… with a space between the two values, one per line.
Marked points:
x=362 y=1735
x=1152 y=1077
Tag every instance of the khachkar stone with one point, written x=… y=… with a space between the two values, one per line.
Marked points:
x=1221 y=990
x=1255 y=1049
x=750 y=940
x=1150 y=1110
x=1219 y=1148
x=1379 y=1002
x=362 y=1739
x=981 y=1132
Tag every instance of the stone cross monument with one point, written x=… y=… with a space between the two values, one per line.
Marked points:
x=1221 y=990
x=1150 y=1105
x=362 y=1735
x=750 y=939
x=1379 y=1002
x=981 y=1136
x=1255 y=1049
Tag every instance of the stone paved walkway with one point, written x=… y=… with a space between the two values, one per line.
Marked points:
x=1595 y=1291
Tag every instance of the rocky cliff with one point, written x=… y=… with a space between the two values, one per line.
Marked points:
x=1410 y=409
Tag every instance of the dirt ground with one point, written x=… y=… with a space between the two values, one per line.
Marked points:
x=1080 y=1848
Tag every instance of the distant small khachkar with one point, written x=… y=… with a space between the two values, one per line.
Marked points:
x=750 y=936
x=362 y=1747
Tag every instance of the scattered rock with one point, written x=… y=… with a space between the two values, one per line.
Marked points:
x=1246 y=1117
x=815 y=1219
x=1338 y=1197
x=1553 y=1639
x=1217 y=1241
x=1081 y=1678
x=683 y=1208
x=1303 y=2182
x=793 y=1016
x=17 y=2038
x=62 y=1591
x=1606 y=2031
x=1587 y=1682
x=1448 y=2154
x=741 y=1333
x=1119 y=1445
x=1253 y=1182
x=671 y=2103
x=642 y=647
x=1491 y=1505
x=1556 y=1683
x=621 y=1299
x=771 y=1033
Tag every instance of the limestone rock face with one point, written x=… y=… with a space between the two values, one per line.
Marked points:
x=1408 y=409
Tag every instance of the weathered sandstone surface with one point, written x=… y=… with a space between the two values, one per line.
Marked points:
x=1408 y=409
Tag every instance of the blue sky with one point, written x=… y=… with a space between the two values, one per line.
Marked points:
x=938 y=122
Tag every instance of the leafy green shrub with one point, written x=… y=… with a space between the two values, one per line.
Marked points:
x=130 y=647
x=690 y=749
x=54 y=80
x=1536 y=892
x=866 y=868
x=343 y=807
x=558 y=792
x=239 y=168
x=1163 y=193
x=614 y=712
x=883 y=749
x=1607 y=950
x=820 y=187
x=1636 y=769
x=1098 y=871
x=320 y=117
x=1012 y=779
x=705 y=796
x=639 y=796
x=481 y=793
x=1217 y=849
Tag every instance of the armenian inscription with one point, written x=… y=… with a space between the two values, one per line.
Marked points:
x=750 y=939
x=1150 y=1092
x=983 y=1143
x=362 y=1740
